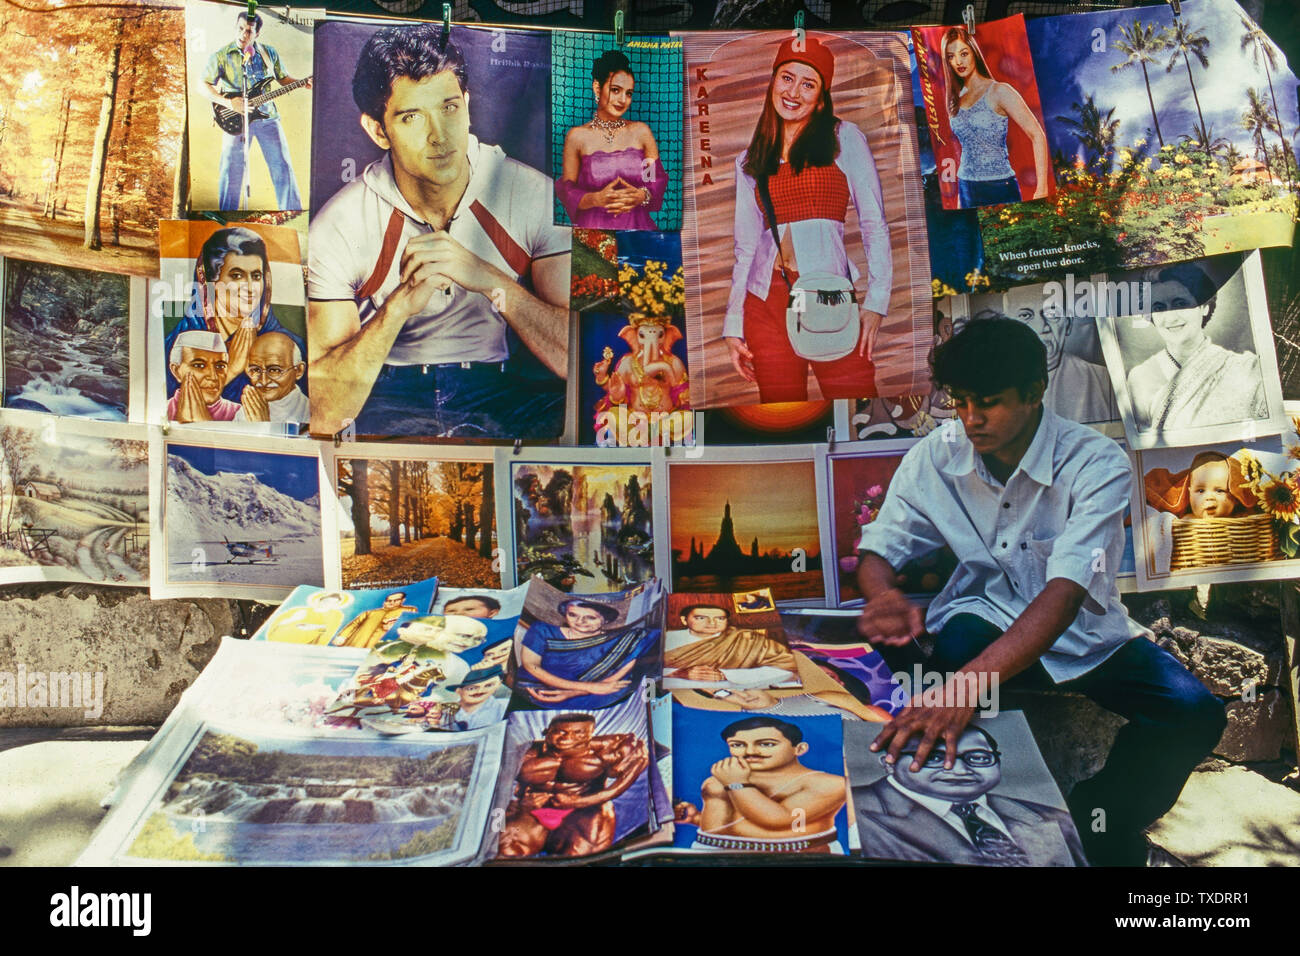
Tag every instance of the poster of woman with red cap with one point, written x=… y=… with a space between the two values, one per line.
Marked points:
x=799 y=218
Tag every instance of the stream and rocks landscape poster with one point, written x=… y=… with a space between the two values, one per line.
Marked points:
x=65 y=340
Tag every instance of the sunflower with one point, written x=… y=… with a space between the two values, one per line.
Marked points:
x=1281 y=498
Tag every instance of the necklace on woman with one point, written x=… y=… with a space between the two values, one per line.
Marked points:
x=607 y=127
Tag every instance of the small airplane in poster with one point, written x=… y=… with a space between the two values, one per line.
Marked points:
x=257 y=552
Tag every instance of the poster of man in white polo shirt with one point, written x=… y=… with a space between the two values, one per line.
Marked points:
x=438 y=285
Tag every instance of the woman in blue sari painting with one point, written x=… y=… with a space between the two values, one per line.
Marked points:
x=583 y=663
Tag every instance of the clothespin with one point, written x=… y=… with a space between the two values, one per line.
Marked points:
x=215 y=217
x=166 y=429
x=347 y=433
x=519 y=444
x=968 y=18
x=618 y=28
x=252 y=9
x=798 y=26
x=1178 y=7
x=446 y=25
x=830 y=437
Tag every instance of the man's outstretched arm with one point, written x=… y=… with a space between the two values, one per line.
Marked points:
x=1032 y=633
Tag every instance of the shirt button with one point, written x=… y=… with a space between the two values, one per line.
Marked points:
x=1004 y=544
x=1006 y=504
x=1022 y=546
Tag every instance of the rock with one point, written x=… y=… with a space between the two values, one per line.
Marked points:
x=104 y=390
x=118 y=633
x=16 y=376
x=1232 y=818
x=1226 y=656
x=1257 y=730
x=1074 y=735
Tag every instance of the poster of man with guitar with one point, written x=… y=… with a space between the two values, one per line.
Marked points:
x=243 y=80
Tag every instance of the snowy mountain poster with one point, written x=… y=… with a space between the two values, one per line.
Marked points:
x=241 y=520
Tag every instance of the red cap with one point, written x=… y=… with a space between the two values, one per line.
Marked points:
x=814 y=53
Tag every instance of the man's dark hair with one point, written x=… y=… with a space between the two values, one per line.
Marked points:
x=685 y=612
x=1192 y=278
x=394 y=594
x=415 y=52
x=491 y=603
x=988 y=355
x=787 y=730
x=993 y=744
x=571 y=719
x=256 y=20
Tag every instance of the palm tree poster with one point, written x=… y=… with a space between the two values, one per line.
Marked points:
x=403 y=518
x=92 y=122
x=1170 y=137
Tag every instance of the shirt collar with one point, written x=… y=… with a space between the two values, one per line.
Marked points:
x=379 y=178
x=1036 y=463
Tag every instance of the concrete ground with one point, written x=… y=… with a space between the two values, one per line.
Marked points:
x=51 y=783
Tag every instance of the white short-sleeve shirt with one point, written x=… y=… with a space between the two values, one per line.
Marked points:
x=1060 y=515
x=504 y=218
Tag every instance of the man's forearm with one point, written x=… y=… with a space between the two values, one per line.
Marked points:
x=874 y=575
x=347 y=372
x=1033 y=632
x=542 y=327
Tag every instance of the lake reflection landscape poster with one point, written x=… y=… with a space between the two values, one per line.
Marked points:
x=323 y=800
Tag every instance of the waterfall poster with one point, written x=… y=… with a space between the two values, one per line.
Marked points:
x=303 y=798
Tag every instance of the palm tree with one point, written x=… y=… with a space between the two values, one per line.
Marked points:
x=1095 y=132
x=1182 y=41
x=1257 y=121
x=1140 y=43
x=1262 y=49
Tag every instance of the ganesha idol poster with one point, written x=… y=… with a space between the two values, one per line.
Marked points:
x=634 y=387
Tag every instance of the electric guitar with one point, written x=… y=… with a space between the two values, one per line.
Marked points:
x=233 y=122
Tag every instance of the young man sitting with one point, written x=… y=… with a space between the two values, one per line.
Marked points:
x=1033 y=507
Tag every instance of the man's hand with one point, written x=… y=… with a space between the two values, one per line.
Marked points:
x=931 y=724
x=235 y=103
x=551 y=695
x=731 y=770
x=256 y=408
x=742 y=359
x=434 y=262
x=698 y=672
x=890 y=618
x=190 y=406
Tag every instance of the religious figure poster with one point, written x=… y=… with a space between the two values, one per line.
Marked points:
x=583 y=520
x=249 y=106
x=740 y=519
x=406 y=512
x=68 y=336
x=476 y=340
x=230 y=349
x=1195 y=362
x=93 y=121
x=759 y=783
x=634 y=389
x=849 y=214
x=326 y=617
x=238 y=516
x=616 y=130
x=726 y=642
x=981 y=105
x=998 y=807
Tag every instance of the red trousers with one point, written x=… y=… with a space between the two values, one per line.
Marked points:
x=782 y=373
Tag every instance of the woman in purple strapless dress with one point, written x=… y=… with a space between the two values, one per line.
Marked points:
x=612 y=176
